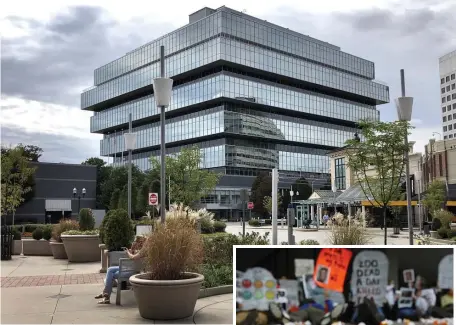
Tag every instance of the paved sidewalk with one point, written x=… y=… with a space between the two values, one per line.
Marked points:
x=62 y=303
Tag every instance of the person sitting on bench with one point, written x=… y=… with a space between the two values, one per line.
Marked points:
x=113 y=273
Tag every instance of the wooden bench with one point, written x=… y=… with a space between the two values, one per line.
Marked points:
x=127 y=268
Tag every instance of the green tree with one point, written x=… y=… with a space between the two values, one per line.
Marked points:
x=15 y=175
x=30 y=152
x=187 y=181
x=378 y=161
x=435 y=196
x=103 y=172
x=114 y=201
x=261 y=187
x=267 y=203
x=302 y=187
x=151 y=184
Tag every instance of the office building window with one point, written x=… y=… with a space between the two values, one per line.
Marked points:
x=447 y=79
x=449 y=118
x=444 y=119
x=450 y=136
x=453 y=76
x=448 y=98
x=450 y=127
x=445 y=128
x=449 y=108
x=444 y=109
x=448 y=88
x=454 y=116
x=454 y=106
x=453 y=86
x=453 y=96
x=442 y=81
x=339 y=173
x=445 y=137
x=443 y=90
x=443 y=100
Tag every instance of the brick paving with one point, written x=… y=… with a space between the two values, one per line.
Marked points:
x=48 y=280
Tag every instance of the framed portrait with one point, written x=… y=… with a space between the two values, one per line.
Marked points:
x=408 y=275
x=323 y=273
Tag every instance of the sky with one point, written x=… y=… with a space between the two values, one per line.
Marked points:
x=50 y=49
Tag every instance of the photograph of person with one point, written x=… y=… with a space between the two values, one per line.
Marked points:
x=322 y=274
x=409 y=276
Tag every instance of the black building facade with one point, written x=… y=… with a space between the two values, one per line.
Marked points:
x=52 y=195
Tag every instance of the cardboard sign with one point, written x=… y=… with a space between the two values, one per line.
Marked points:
x=331 y=268
x=281 y=297
x=258 y=288
x=304 y=267
x=370 y=276
x=406 y=298
x=292 y=291
x=446 y=272
x=409 y=275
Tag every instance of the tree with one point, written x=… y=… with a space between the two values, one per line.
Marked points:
x=378 y=161
x=30 y=152
x=261 y=187
x=302 y=186
x=15 y=175
x=267 y=203
x=188 y=182
x=151 y=184
x=435 y=196
x=103 y=172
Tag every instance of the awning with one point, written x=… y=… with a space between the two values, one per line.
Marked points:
x=58 y=205
x=353 y=194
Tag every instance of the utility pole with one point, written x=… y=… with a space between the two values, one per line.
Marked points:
x=275 y=183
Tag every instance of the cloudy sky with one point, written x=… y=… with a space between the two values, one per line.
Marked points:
x=51 y=47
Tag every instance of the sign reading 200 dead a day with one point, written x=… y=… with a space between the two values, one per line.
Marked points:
x=370 y=276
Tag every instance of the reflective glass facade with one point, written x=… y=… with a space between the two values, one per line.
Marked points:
x=234 y=86
x=251 y=95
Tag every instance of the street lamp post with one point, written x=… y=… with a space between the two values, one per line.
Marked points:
x=418 y=179
x=334 y=190
x=404 y=107
x=130 y=144
x=162 y=93
x=75 y=193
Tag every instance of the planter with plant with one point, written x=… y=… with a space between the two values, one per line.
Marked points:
x=435 y=226
x=17 y=240
x=56 y=244
x=117 y=233
x=83 y=245
x=38 y=245
x=169 y=289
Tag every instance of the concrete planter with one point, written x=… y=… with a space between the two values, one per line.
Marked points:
x=215 y=291
x=104 y=258
x=453 y=226
x=434 y=234
x=82 y=248
x=17 y=247
x=32 y=247
x=58 y=250
x=166 y=299
x=113 y=257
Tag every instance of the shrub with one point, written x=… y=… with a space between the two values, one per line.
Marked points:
x=254 y=239
x=345 y=233
x=16 y=234
x=219 y=226
x=173 y=248
x=102 y=227
x=219 y=275
x=445 y=218
x=309 y=242
x=81 y=232
x=443 y=232
x=118 y=230
x=47 y=232
x=63 y=226
x=436 y=224
x=32 y=227
x=86 y=219
x=206 y=226
x=254 y=222
x=451 y=233
x=37 y=234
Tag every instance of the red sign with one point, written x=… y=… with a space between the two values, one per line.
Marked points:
x=250 y=205
x=153 y=198
x=331 y=268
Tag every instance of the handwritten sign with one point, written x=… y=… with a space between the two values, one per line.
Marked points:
x=370 y=276
x=446 y=272
x=409 y=275
x=331 y=268
x=258 y=288
x=304 y=267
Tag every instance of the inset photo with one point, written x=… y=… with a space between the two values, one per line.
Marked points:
x=295 y=285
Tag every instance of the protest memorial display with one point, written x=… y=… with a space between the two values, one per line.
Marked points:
x=331 y=268
x=258 y=288
x=370 y=276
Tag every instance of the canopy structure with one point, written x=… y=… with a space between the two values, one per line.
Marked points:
x=354 y=194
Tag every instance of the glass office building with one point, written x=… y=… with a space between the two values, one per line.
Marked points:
x=250 y=94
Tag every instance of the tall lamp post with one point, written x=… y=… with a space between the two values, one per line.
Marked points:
x=404 y=107
x=162 y=93
x=78 y=195
x=334 y=190
x=418 y=180
x=130 y=144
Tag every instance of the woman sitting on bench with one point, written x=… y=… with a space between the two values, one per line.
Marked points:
x=113 y=273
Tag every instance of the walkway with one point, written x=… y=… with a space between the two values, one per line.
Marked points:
x=55 y=301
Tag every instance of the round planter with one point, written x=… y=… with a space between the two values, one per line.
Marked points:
x=434 y=234
x=58 y=250
x=82 y=248
x=166 y=299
